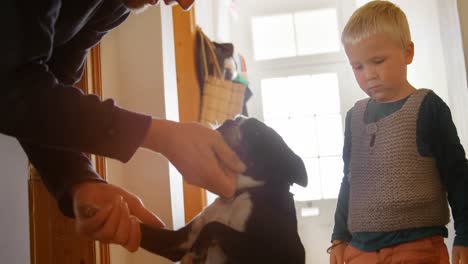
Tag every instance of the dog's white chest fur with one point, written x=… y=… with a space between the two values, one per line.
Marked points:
x=231 y=212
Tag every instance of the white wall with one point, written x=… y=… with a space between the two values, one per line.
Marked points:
x=139 y=73
x=463 y=14
x=455 y=65
x=461 y=96
x=205 y=16
x=428 y=69
x=14 y=219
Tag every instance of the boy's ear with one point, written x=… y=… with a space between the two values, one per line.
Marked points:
x=409 y=52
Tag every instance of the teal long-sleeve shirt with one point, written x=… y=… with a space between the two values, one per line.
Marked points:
x=436 y=137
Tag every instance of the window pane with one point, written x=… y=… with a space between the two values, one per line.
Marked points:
x=317 y=31
x=299 y=133
x=302 y=91
x=326 y=98
x=331 y=172
x=313 y=190
x=330 y=135
x=305 y=111
x=273 y=37
x=303 y=95
x=275 y=98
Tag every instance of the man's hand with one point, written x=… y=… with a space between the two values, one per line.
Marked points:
x=110 y=214
x=336 y=252
x=460 y=255
x=199 y=154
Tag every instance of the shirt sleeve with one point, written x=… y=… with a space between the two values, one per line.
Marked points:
x=340 y=230
x=55 y=121
x=39 y=108
x=62 y=169
x=440 y=135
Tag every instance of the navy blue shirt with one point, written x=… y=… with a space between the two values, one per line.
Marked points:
x=436 y=137
x=44 y=45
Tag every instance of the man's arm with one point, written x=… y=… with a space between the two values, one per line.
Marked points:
x=64 y=169
x=38 y=108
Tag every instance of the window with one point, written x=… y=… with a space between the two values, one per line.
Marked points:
x=305 y=111
x=293 y=34
x=277 y=30
x=296 y=54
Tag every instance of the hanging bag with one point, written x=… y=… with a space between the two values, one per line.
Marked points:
x=221 y=99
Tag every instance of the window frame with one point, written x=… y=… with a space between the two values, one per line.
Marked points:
x=331 y=62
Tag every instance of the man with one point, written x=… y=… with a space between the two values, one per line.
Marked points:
x=45 y=44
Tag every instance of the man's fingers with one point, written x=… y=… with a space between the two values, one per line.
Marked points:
x=146 y=216
x=134 y=235
x=218 y=180
x=88 y=224
x=122 y=233
x=228 y=157
x=107 y=232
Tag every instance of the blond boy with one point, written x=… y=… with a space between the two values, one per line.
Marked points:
x=404 y=163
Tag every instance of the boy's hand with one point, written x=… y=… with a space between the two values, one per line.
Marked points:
x=460 y=255
x=199 y=153
x=110 y=214
x=336 y=252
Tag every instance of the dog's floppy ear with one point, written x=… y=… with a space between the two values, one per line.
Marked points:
x=290 y=163
x=293 y=166
x=270 y=154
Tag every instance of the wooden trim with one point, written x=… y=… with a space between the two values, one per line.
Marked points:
x=94 y=63
x=188 y=92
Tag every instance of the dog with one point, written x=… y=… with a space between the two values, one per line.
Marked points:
x=258 y=225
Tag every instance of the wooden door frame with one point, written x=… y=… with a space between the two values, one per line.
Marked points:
x=188 y=92
x=95 y=82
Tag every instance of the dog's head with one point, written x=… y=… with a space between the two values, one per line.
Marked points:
x=267 y=156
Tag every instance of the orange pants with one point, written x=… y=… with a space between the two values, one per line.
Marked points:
x=431 y=250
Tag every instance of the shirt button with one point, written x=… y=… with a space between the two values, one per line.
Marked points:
x=111 y=132
x=371 y=128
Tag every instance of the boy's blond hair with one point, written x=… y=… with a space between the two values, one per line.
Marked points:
x=377 y=17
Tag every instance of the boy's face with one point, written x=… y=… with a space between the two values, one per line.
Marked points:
x=379 y=65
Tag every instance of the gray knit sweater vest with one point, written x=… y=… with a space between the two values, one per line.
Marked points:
x=392 y=187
